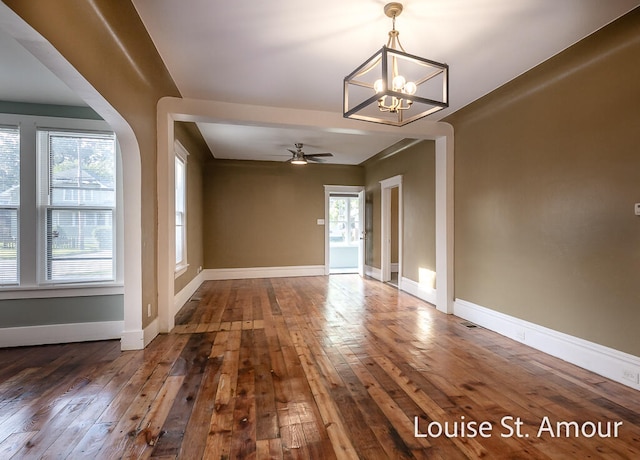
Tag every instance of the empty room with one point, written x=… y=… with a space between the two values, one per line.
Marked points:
x=319 y=230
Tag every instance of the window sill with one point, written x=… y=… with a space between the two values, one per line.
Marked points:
x=68 y=290
x=180 y=270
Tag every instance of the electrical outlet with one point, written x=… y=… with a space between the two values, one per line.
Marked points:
x=149 y=311
x=630 y=375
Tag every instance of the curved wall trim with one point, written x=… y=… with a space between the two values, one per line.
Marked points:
x=132 y=335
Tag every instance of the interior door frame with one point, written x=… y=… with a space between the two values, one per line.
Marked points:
x=385 y=228
x=356 y=190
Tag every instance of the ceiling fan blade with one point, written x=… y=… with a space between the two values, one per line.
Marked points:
x=310 y=155
x=292 y=151
x=314 y=160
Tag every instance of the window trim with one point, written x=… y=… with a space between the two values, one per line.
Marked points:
x=29 y=258
x=46 y=207
x=181 y=154
x=16 y=208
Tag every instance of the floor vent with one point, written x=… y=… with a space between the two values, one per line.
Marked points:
x=469 y=324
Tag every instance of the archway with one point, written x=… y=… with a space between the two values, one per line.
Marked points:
x=171 y=109
x=132 y=335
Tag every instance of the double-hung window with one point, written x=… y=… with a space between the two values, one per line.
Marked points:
x=60 y=207
x=77 y=205
x=9 y=203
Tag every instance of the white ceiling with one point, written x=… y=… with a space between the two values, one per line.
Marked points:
x=24 y=79
x=289 y=53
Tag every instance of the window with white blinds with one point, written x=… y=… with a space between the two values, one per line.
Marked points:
x=9 y=203
x=78 y=201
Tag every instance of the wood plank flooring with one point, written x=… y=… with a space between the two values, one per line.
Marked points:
x=310 y=368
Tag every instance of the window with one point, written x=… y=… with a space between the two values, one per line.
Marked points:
x=77 y=205
x=61 y=228
x=9 y=203
x=344 y=220
x=181 y=208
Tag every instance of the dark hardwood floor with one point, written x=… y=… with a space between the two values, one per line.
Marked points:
x=310 y=368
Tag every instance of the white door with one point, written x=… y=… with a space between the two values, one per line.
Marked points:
x=344 y=233
x=385 y=231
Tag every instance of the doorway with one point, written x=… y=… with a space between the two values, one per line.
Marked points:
x=344 y=236
x=394 y=247
x=391 y=230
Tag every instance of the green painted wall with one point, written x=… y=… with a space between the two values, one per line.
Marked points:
x=48 y=110
x=60 y=310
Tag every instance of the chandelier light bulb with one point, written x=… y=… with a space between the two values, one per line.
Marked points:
x=399 y=82
x=410 y=88
x=378 y=85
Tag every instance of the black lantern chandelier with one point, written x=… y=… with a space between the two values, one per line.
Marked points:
x=394 y=87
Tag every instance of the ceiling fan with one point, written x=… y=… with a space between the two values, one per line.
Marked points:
x=301 y=158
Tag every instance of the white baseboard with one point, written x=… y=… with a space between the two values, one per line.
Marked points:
x=139 y=339
x=151 y=331
x=211 y=274
x=373 y=272
x=394 y=267
x=608 y=362
x=185 y=294
x=422 y=292
x=133 y=340
x=60 y=333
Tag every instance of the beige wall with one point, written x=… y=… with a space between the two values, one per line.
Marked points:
x=108 y=44
x=199 y=154
x=264 y=214
x=547 y=170
x=416 y=164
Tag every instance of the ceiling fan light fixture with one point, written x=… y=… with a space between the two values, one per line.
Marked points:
x=394 y=87
x=301 y=158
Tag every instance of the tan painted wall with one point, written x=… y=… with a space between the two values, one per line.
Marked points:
x=199 y=154
x=417 y=166
x=547 y=170
x=108 y=44
x=264 y=214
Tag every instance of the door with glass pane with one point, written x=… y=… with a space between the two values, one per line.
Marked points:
x=345 y=233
